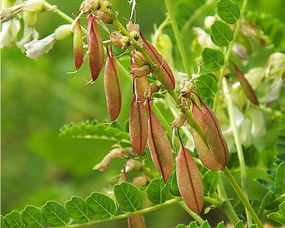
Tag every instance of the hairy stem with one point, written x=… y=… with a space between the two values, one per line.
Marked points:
x=178 y=37
x=195 y=16
x=228 y=54
x=242 y=196
x=191 y=213
x=237 y=141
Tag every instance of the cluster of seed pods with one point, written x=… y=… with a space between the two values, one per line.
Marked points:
x=144 y=127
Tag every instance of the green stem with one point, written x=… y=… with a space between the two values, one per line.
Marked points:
x=237 y=141
x=55 y=10
x=227 y=206
x=195 y=16
x=242 y=196
x=228 y=54
x=159 y=29
x=178 y=37
x=191 y=213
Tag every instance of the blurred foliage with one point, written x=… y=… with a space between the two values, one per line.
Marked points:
x=40 y=96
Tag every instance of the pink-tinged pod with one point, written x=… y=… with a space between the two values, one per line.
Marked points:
x=189 y=180
x=248 y=90
x=159 y=146
x=166 y=72
x=138 y=126
x=95 y=48
x=78 y=45
x=141 y=85
x=136 y=221
x=214 y=155
x=112 y=86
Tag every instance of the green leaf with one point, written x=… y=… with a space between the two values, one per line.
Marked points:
x=181 y=226
x=173 y=185
x=210 y=182
x=205 y=225
x=221 y=34
x=267 y=185
x=239 y=224
x=228 y=11
x=157 y=191
x=3 y=222
x=265 y=201
x=102 y=205
x=55 y=213
x=193 y=224
x=280 y=179
x=78 y=210
x=33 y=217
x=277 y=217
x=206 y=85
x=221 y=225
x=95 y=130
x=253 y=226
x=13 y=220
x=128 y=197
x=213 y=59
x=282 y=208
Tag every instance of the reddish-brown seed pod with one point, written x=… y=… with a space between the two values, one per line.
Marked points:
x=248 y=90
x=95 y=48
x=159 y=146
x=112 y=86
x=166 y=73
x=141 y=85
x=214 y=155
x=78 y=45
x=136 y=221
x=189 y=180
x=138 y=126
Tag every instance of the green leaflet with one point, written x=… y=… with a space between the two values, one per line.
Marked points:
x=193 y=224
x=3 y=222
x=157 y=191
x=95 y=130
x=277 y=217
x=228 y=11
x=213 y=59
x=55 y=213
x=173 y=185
x=33 y=217
x=102 y=205
x=210 y=182
x=181 y=226
x=205 y=225
x=221 y=225
x=221 y=34
x=265 y=201
x=206 y=85
x=280 y=179
x=128 y=197
x=78 y=210
x=13 y=220
x=239 y=224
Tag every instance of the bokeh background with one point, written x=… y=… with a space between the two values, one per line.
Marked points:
x=39 y=97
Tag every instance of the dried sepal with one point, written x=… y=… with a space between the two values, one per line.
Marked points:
x=116 y=38
x=136 y=221
x=160 y=148
x=214 y=154
x=138 y=126
x=179 y=121
x=134 y=30
x=166 y=73
x=78 y=45
x=95 y=48
x=104 y=17
x=189 y=180
x=248 y=90
x=112 y=86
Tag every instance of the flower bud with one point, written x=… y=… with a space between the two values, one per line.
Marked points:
x=62 y=32
x=95 y=48
x=166 y=73
x=112 y=86
x=133 y=165
x=140 y=181
x=214 y=154
x=78 y=51
x=34 y=6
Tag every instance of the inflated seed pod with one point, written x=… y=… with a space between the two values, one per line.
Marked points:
x=78 y=45
x=95 y=48
x=112 y=86
x=136 y=221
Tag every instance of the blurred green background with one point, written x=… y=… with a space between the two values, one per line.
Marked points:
x=39 y=97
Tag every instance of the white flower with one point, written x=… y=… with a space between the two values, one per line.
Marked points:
x=209 y=21
x=9 y=33
x=204 y=38
x=37 y=48
x=29 y=34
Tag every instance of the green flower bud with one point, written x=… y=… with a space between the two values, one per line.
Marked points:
x=63 y=31
x=34 y=6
